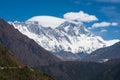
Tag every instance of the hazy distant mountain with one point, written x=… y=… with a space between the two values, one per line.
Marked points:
x=58 y=35
x=25 y=49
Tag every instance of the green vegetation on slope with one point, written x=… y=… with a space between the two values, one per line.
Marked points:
x=12 y=69
x=24 y=73
x=7 y=59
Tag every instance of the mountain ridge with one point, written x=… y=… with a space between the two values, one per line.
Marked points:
x=111 y=52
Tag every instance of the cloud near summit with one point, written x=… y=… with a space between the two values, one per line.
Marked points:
x=80 y=16
x=104 y=24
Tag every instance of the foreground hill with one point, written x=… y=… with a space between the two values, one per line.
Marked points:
x=25 y=49
x=12 y=69
x=74 y=70
x=109 y=74
x=24 y=73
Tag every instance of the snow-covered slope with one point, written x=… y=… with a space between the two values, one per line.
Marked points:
x=111 y=42
x=55 y=35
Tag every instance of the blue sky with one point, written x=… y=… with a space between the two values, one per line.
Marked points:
x=105 y=10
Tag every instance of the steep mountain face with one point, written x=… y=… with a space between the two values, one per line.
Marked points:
x=58 y=35
x=12 y=69
x=25 y=49
x=104 y=54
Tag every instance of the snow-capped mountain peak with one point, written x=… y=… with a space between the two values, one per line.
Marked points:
x=47 y=21
x=56 y=35
x=73 y=28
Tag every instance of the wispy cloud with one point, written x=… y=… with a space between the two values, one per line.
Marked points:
x=82 y=2
x=80 y=16
x=111 y=12
x=117 y=31
x=104 y=24
x=109 y=1
x=103 y=30
x=114 y=24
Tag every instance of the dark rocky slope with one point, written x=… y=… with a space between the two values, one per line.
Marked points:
x=25 y=49
x=112 y=52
